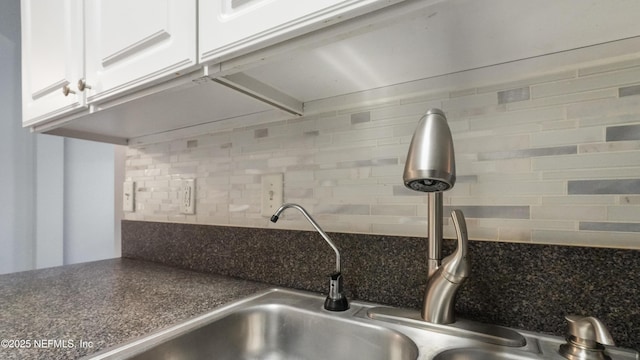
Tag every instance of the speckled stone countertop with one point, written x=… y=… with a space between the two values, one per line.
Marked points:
x=105 y=303
x=524 y=286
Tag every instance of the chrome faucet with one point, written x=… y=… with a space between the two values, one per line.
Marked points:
x=430 y=168
x=443 y=284
x=336 y=300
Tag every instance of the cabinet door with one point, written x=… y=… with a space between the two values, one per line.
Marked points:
x=229 y=27
x=52 y=58
x=139 y=42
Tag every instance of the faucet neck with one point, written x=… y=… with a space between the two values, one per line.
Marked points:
x=434 y=240
x=315 y=225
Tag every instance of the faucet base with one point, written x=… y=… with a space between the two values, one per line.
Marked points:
x=336 y=301
x=341 y=304
x=573 y=351
x=490 y=334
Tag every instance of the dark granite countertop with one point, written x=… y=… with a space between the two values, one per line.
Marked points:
x=103 y=303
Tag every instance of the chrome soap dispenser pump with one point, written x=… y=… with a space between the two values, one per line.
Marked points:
x=430 y=168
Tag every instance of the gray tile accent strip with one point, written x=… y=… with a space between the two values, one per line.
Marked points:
x=360 y=117
x=629 y=90
x=363 y=163
x=598 y=187
x=343 y=209
x=527 y=153
x=491 y=212
x=401 y=190
x=609 y=226
x=467 y=179
x=513 y=95
x=622 y=133
x=260 y=133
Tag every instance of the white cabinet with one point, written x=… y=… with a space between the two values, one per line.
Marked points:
x=129 y=43
x=52 y=59
x=231 y=27
x=111 y=46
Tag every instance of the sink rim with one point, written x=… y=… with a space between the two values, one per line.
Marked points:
x=507 y=353
x=429 y=343
x=300 y=301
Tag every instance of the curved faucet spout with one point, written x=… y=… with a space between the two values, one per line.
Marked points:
x=444 y=283
x=336 y=300
x=304 y=212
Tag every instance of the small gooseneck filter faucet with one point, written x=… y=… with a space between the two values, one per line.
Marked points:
x=336 y=300
x=430 y=168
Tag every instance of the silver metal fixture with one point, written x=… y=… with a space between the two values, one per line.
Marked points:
x=585 y=339
x=441 y=289
x=289 y=324
x=82 y=85
x=430 y=165
x=66 y=90
x=336 y=300
x=431 y=168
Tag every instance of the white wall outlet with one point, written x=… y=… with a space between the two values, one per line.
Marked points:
x=129 y=196
x=272 y=193
x=188 y=197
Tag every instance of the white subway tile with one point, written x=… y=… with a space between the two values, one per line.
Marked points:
x=568 y=137
x=349 y=172
x=630 y=213
x=562 y=75
x=585 y=174
x=609 y=67
x=579 y=200
x=603 y=109
x=585 y=161
x=586 y=83
x=509 y=118
x=629 y=200
x=561 y=212
x=587 y=238
x=563 y=99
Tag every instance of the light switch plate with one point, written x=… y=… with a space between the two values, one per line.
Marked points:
x=272 y=193
x=128 y=196
x=188 y=197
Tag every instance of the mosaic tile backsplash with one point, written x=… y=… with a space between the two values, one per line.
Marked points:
x=552 y=160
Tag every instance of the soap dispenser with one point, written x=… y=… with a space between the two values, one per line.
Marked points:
x=585 y=339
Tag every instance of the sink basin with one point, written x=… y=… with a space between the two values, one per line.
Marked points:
x=276 y=325
x=483 y=354
x=293 y=325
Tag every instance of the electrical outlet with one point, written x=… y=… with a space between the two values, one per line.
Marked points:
x=128 y=196
x=188 y=197
x=272 y=193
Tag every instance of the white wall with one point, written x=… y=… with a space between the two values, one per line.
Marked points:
x=89 y=185
x=49 y=212
x=16 y=152
x=57 y=203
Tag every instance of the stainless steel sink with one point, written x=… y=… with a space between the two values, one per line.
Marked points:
x=276 y=325
x=484 y=354
x=285 y=324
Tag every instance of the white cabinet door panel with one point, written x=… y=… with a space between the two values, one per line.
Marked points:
x=52 y=57
x=228 y=27
x=131 y=43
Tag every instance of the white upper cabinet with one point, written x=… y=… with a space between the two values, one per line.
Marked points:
x=52 y=59
x=130 y=43
x=232 y=27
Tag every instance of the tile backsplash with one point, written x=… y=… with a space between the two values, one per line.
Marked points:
x=554 y=159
